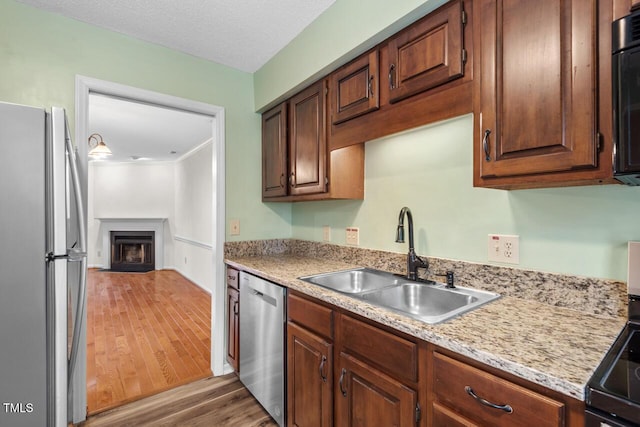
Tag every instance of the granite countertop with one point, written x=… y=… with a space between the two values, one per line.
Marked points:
x=556 y=347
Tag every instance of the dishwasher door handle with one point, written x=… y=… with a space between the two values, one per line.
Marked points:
x=266 y=298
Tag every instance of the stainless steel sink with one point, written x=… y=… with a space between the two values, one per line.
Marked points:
x=354 y=281
x=430 y=302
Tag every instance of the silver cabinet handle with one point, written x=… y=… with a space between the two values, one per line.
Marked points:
x=485 y=145
x=292 y=178
x=322 y=364
x=282 y=180
x=370 y=87
x=342 y=390
x=506 y=408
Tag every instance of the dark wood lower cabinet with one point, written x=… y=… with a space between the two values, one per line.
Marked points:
x=233 y=319
x=310 y=379
x=365 y=396
x=344 y=370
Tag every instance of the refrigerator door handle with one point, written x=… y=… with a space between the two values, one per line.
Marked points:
x=72 y=255
x=77 y=254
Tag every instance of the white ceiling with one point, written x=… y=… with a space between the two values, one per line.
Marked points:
x=243 y=34
x=131 y=129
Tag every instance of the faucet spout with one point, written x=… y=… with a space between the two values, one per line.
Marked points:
x=413 y=261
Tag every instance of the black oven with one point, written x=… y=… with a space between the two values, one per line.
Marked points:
x=626 y=98
x=612 y=395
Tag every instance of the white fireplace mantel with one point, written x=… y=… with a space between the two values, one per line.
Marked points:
x=107 y=225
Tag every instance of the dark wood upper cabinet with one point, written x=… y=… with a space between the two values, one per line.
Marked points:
x=296 y=162
x=308 y=142
x=274 y=152
x=536 y=99
x=355 y=88
x=428 y=53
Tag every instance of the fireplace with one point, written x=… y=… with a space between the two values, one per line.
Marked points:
x=132 y=251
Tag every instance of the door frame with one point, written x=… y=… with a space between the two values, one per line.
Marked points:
x=85 y=86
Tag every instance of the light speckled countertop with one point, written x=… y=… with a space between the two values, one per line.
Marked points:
x=556 y=347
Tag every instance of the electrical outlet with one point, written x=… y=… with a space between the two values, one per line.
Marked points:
x=353 y=236
x=326 y=233
x=234 y=226
x=504 y=248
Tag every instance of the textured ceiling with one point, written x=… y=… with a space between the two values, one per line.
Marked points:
x=243 y=34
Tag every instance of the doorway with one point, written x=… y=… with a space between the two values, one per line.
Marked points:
x=85 y=88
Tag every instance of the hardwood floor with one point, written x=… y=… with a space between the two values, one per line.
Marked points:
x=146 y=333
x=219 y=401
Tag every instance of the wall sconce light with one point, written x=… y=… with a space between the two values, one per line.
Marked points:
x=98 y=149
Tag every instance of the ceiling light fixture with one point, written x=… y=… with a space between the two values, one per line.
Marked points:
x=98 y=149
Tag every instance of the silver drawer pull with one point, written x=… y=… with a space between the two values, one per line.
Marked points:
x=506 y=408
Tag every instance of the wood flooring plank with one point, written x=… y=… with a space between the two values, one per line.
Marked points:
x=145 y=333
x=214 y=401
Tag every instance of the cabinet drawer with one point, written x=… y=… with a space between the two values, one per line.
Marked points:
x=454 y=382
x=443 y=416
x=233 y=278
x=395 y=355
x=315 y=317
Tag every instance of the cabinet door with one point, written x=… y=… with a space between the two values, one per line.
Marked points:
x=309 y=379
x=233 y=327
x=274 y=152
x=354 y=88
x=536 y=81
x=308 y=142
x=427 y=54
x=367 y=397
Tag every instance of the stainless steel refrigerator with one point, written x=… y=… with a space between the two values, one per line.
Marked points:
x=42 y=270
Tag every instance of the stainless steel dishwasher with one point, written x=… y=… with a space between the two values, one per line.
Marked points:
x=262 y=342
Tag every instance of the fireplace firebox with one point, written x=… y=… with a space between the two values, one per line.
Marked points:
x=133 y=251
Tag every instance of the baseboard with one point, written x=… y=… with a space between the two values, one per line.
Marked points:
x=190 y=279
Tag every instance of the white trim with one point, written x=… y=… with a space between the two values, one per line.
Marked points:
x=208 y=291
x=194 y=150
x=85 y=85
x=193 y=242
x=107 y=225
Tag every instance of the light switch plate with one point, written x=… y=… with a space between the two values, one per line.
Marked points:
x=234 y=227
x=326 y=233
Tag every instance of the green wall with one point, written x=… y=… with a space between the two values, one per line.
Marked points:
x=41 y=53
x=344 y=30
x=579 y=230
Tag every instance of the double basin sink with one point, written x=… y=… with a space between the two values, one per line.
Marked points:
x=430 y=302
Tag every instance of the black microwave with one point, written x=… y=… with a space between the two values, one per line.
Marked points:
x=626 y=98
